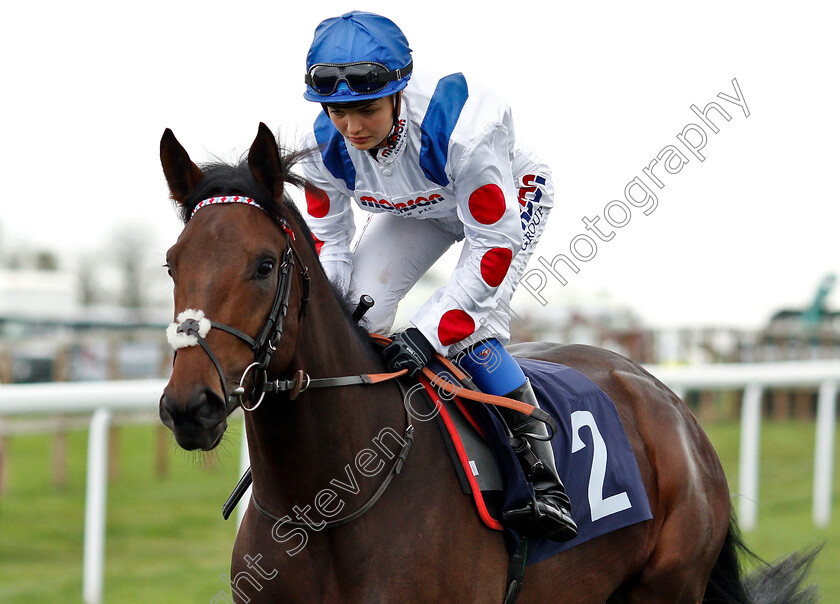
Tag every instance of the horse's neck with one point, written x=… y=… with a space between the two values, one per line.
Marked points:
x=298 y=447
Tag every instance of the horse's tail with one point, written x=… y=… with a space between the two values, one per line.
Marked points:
x=779 y=583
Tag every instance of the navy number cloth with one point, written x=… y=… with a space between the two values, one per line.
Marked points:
x=592 y=453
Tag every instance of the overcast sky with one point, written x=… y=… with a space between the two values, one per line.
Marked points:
x=599 y=89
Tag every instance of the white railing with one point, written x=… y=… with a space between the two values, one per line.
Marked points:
x=754 y=379
x=101 y=399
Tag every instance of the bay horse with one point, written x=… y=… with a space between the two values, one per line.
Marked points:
x=257 y=316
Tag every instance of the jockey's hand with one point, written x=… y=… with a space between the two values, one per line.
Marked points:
x=409 y=350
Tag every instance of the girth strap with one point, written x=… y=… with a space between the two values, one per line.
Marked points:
x=516 y=571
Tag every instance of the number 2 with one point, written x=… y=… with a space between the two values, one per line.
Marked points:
x=598 y=506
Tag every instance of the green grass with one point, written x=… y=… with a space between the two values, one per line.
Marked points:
x=166 y=540
x=785 y=498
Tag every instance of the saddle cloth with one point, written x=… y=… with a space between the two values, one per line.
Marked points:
x=592 y=454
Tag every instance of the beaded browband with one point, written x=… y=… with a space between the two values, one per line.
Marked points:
x=225 y=199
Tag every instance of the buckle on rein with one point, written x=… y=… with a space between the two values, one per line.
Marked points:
x=296 y=385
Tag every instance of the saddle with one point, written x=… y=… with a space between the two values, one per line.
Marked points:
x=592 y=455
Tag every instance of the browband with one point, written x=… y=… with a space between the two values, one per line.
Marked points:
x=225 y=199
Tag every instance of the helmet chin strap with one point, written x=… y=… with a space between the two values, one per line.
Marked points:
x=397 y=96
x=397 y=107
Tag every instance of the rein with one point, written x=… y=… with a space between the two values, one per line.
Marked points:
x=302 y=382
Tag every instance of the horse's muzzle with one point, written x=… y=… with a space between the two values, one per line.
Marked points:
x=197 y=422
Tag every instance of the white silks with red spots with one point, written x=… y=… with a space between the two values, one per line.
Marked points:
x=457 y=174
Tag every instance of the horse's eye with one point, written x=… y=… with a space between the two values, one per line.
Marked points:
x=265 y=269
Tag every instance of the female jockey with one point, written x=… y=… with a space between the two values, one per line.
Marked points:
x=434 y=162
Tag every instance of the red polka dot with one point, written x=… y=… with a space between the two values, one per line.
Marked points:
x=318 y=244
x=495 y=264
x=317 y=202
x=487 y=204
x=455 y=325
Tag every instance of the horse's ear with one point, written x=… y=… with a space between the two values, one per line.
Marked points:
x=182 y=175
x=265 y=163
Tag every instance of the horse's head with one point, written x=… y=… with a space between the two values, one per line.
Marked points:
x=239 y=284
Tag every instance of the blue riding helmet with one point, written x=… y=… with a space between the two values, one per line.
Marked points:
x=355 y=57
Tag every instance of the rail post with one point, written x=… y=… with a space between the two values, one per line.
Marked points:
x=95 y=500
x=748 y=465
x=824 y=452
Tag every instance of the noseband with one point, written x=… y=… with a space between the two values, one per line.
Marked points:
x=191 y=326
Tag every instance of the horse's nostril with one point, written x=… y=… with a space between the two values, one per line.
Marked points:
x=198 y=420
x=207 y=409
x=203 y=410
x=165 y=415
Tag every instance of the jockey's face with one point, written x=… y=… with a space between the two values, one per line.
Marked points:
x=366 y=126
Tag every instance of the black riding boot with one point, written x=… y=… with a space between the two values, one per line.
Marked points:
x=552 y=516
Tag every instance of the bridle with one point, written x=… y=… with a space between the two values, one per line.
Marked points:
x=191 y=326
x=265 y=344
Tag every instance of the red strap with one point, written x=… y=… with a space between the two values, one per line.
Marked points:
x=478 y=498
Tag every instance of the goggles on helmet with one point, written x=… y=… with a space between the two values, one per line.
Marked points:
x=363 y=77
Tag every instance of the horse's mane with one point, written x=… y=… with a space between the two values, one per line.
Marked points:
x=221 y=178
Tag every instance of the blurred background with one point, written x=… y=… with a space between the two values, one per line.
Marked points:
x=735 y=263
